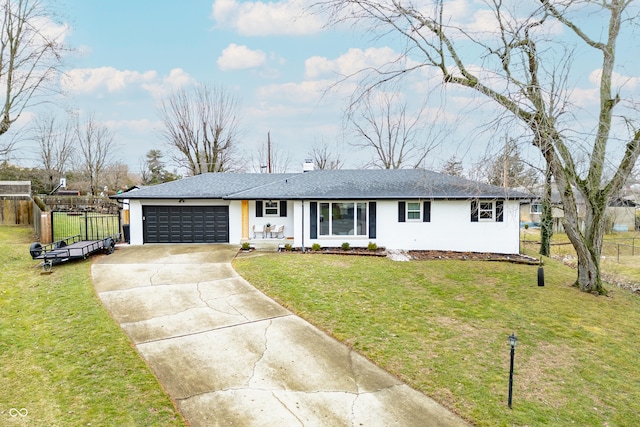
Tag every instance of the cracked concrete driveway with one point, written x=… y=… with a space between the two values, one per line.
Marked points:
x=230 y=356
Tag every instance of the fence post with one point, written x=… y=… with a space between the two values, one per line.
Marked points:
x=618 y=253
x=46 y=227
x=86 y=226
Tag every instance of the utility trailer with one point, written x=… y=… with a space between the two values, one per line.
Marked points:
x=71 y=248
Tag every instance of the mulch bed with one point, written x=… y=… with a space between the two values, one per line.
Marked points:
x=477 y=256
x=434 y=255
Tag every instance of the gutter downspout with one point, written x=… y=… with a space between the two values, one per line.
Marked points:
x=303 y=226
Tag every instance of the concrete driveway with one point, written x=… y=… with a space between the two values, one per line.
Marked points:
x=230 y=356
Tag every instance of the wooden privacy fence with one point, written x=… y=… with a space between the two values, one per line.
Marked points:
x=16 y=210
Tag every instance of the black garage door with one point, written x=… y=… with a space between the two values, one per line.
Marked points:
x=186 y=224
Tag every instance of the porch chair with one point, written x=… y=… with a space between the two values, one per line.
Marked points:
x=278 y=229
x=259 y=229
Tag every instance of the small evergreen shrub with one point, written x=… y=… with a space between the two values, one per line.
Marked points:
x=372 y=246
x=345 y=246
x=315 y=247
x=246 y=246
x=288 y=247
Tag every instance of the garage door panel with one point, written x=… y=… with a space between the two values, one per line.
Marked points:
x=186 y=224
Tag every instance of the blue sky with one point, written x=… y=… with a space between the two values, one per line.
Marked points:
x=129 y=55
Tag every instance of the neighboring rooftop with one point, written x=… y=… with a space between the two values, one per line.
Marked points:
x=15 y=188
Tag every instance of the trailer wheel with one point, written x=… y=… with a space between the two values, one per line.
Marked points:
x=35 y=250
x=109 y=245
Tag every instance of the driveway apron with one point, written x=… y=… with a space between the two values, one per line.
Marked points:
x=229 y=356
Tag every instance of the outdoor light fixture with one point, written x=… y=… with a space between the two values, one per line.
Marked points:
x=512 y=341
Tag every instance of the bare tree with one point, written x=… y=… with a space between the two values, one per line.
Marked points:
x=383 y=124
x=116 y=177
x=323 y=157
x=30 y=54
x=96 y=145
x=522 y=66
x=202 y=126
x=453 y=167
x=56 y=145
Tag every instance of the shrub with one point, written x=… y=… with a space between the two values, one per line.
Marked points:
x=288 y=247
x=372 y=246
x=246 y=246
x=315 y=247
x=345 y=246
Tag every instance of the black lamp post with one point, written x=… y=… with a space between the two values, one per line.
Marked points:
x=512 y=341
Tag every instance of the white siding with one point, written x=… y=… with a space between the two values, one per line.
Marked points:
x=450 y=229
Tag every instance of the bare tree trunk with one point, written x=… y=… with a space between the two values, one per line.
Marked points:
x=546 y=221
x=588 y=249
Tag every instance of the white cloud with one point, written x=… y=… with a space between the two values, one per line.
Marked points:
x=617 y=80
x=236 y=57
x=300 y=93
x=88 y=80
x=95 y=80
x=51 y=30
x=258 y=18
x=351 y=62
x=176 y=79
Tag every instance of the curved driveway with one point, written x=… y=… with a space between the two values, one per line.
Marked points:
x=228 y=355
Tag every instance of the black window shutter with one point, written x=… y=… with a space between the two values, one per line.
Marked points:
x=401 y=211
x=499 y=211
x=426 y=212
x=283 y=208
x=258 y=208
x=372 y=220
x=474 y=211
x=313 y=220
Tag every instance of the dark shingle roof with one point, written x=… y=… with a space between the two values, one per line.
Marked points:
x=326 y=184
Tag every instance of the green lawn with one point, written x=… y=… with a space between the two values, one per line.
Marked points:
x=63 y=360
x=442 y=326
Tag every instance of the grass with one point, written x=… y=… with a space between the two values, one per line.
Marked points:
x=62 y=357
x=442 y=327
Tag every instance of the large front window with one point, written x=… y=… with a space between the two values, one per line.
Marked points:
x=343 y=219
